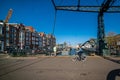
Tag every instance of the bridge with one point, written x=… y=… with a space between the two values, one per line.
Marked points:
x=104 y=6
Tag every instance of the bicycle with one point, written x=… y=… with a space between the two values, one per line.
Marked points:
x=79 y=58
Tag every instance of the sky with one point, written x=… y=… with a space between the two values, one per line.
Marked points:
x=70 y=27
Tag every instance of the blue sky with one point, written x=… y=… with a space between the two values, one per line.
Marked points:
x=72 y=27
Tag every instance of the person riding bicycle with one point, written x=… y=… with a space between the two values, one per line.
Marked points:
x=81 y=54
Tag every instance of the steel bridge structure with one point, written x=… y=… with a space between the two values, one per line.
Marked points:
x=106 y=6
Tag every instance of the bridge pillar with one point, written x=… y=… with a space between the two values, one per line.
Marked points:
x=100 y=35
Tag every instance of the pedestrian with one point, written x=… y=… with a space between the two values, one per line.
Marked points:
x=55 y=50
x=70 y=51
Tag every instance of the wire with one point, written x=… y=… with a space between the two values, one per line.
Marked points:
x=78 y=4
x=54 y=22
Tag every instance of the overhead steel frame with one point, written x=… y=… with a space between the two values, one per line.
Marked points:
x=101 y=45
x=106 y=6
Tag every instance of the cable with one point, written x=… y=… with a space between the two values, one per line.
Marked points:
x=54 y=22
x=78 y=4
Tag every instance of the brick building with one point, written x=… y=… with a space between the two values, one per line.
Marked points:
x=43 y=40
x=1 y=37
x=27 y=38
x=10 y=36
x=21 y=36
x=51 y=41
x=17 y=36
x=32 y=38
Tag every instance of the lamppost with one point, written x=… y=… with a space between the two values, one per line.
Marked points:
x=21 y=45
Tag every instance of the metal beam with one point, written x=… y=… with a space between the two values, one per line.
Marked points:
x=106 y=5
x=101 y=32
x=78 y=4
x=113 y=9
x=54 y=4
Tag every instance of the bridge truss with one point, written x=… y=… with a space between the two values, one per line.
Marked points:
x=101 y=7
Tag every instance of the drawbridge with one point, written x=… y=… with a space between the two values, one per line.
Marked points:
x=100 y=7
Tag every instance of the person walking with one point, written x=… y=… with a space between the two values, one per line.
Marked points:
x=55 y=50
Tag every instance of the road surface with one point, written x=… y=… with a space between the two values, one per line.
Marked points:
x=56 y=68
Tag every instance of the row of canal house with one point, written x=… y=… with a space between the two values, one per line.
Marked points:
x=18 y=36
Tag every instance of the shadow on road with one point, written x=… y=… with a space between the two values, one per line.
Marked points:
x=113 y=74
x=113 y=60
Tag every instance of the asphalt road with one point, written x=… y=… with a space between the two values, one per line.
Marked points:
x=57 y=68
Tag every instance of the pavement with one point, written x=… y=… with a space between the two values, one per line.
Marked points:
x=58 y=68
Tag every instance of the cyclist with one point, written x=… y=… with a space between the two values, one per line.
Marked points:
x=80 y=56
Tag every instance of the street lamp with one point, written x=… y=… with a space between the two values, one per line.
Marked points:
x=21 y=40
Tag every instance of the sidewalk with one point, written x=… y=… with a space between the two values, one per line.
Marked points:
x=3 y=56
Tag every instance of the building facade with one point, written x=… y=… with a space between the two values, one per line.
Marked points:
x=17 y=36
x=10 y=36
x=21 y=37
x=51 y=41
x=27 y=39
x=43 y=40
x=1 y=37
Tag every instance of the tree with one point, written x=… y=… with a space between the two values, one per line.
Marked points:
x=111 y=34
x=111 y=40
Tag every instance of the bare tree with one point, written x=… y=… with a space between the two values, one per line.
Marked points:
x=111 y=40
x=111 y=34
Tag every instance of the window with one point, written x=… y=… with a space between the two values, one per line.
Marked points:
x=14 y=39
x=7 y=42
x=11 y=29
x=0 y=29
x=27 y=43
x=11 y=35
x=27 y=34
x=15 y=30
x=33 y=38
x=36 y=39
x=14 y=35
x=7 y=28
x=11 y=41
x=7 y=35
x=27 y=38
x=33 y=42
x=33 y=34
x=37 y=43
